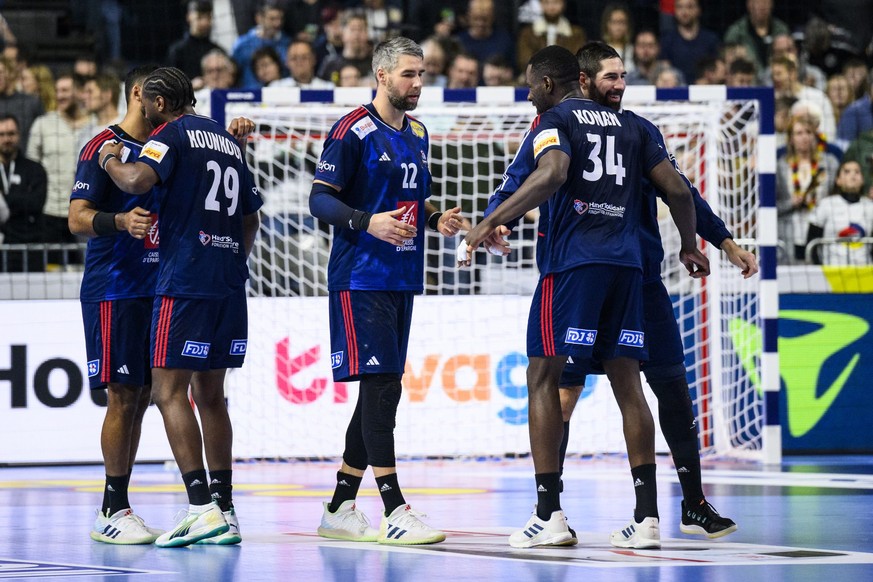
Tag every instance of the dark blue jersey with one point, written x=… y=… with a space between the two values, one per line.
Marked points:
x=205 y=190
x=120 y=266
x=377 y=168
x=709 y=226
x=595 y=214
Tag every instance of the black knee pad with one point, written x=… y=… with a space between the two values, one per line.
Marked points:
x=380 y=395
x=676 y=416
x=355 y=453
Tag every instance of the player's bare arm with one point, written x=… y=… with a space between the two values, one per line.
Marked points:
x=136 y=178
x=745 y=260
x=551 y=173
x=136 y=222
x=681 y=204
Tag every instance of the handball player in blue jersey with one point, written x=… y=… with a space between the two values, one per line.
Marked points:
x=588 y=303
x=208 y=208
x=372 y=185
x=117 y=292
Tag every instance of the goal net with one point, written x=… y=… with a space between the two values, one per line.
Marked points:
x=464 y=386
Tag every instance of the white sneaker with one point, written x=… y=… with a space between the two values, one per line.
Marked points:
x=194 y=525
x=555 y=532
x=231 y=536
x=640 y=536
x=405 y=528
x=346 y=523
x=124 y=527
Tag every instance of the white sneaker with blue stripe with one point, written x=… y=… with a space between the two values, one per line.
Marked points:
x=537 y=532
x=645 y=535
x=123 y=527
x=405 y=528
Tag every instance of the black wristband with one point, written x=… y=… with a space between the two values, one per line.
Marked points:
x=360 y=220
x=433 y=220
x=104 y=223
x=106 y=160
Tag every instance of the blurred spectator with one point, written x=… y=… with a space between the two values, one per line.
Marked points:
x=266 y=65
x=38 y=80
x=426 y=18
x=55 y=140
x=22 y=197
x=781 y=118
x=550 y=28
x=839 y=91
x=101 y=98
x=785 y=83
x=856 y=119
x=349 y=76
x=384 y=19
x=25 y=108
x=186 y=53
x=731 y=51
x=756 y=30
x=617 y=30
x=482 y=38
x=850 y=23
x=434 y=63
x=357 y=50
x=846 y=213
x=302 y=19
x=861 y=151
x=805 y=174
x=668 y=77
x=267 y=32
x=463 y=72
x=688 y=43
x=496 y=72
x=301 y=62
x=742 y=74
x=85 y=65
x=330 y=42
x=218 y=71
x=855 y=70
x=647 y=49
x=784 y=46
x=711 y=71
x=7 y=37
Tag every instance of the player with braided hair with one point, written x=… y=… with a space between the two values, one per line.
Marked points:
x=208 y=207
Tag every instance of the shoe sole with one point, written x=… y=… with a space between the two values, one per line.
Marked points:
x=221 y=540
x=564 y=539
x=98 y=537
x=696 y=530
x=419 y=542
x=329 y=534
x=189 y=539
x=651 y=545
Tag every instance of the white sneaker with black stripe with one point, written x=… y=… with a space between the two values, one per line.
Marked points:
x=645 y=535
x=405 y=528
x=537 y=532
x=123 y=527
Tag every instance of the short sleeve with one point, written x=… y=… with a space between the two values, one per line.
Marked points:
x=161 y=152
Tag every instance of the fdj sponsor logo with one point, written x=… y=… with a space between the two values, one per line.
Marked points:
x=581 y=337
x=629 y=337
x=195 y=349
x=336 y=360
x=325 y=167
x=238 y=347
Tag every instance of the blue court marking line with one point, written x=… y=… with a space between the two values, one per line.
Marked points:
x=10 y=568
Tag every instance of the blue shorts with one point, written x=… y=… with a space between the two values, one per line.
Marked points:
x=117 y=341
x=666 y=354
x=369 y=332
x=590 y=312
x=199 y=334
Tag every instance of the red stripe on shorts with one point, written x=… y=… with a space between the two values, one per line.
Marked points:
x=106 y=337
x=351 y=336
x=162 y=332
x=546 y=323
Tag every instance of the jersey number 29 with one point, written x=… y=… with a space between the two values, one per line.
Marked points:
x=231 y=187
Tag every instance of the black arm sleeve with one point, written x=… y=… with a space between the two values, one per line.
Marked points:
x=324 y=205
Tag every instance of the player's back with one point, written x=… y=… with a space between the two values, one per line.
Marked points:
x=594 y=216
x=206 y=189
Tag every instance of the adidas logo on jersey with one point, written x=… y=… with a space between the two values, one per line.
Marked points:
x=373 y=362
x=638 y=482
x=123 y=370
x=570 y=360
x=541 y=489
x=385 y=487
x=384 y=157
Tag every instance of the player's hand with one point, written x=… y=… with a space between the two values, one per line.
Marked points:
x=496 y=243
x=137 y=222
x=110 y=146
x=695 y=262
x=475 y=237
x=386 y=227
x=451 y=222
x=740 y=257
x=240 y=128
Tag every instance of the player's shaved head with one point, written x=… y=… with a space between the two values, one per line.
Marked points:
x=557 y=63
x=171 y=84
x=592 y=54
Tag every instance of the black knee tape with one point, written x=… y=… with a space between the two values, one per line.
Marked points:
x=676 y=416
x=380 y=395
x=355 y=453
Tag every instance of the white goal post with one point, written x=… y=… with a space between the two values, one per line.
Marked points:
x=464 y=387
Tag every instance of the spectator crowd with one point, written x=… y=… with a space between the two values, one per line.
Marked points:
x=820 y=73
